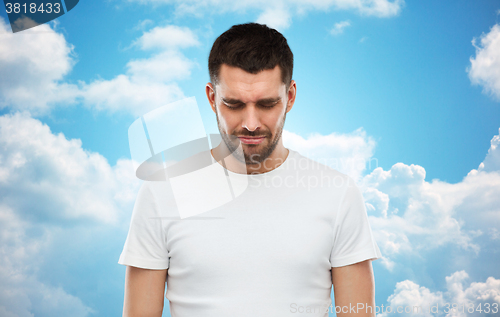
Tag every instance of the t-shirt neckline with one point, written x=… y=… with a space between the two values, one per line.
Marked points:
x=283 y=166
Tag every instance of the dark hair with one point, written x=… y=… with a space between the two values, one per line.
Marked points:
x=252 y=47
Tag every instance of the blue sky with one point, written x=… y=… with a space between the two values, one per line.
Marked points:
x=413 y=88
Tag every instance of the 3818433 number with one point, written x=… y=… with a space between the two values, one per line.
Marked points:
x=33 y=8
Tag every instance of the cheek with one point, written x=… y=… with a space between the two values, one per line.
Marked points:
x=227 y=121
x=278 y=119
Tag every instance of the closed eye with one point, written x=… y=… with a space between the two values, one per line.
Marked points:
x=236 y=105
x=269 y=104
x=233 y=105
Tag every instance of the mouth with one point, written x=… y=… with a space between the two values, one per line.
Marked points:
x=251 y=140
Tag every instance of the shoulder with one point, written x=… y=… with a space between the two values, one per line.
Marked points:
x=160 y=194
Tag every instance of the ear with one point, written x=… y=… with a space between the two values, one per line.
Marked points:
x=210 y=91
x=292 y=92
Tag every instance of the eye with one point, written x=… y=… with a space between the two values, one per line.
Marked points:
x=270 y=104
x=232 y=106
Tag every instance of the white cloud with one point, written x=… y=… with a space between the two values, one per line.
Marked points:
x=64 y=182
x=51 y=188
x=492 y=159
x=22 y=293
x=485 y=67
x=148 y=83
x=411 y=216
x=387 y=263
x=415 y=215
x=143 y=24
x=494 y=234
x=123 y=93
x=20 y=253
x=420 y=301
x=278 y=13
x=163 y=67
x=378 y=8
x=348 y=153
x=167 y=38
x=417 y=300
x=277 y=17
x=32 y=66
x=339 y=27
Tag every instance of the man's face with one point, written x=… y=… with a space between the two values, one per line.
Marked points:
x=253 y=106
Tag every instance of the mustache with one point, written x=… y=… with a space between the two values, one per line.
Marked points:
x=255 y=134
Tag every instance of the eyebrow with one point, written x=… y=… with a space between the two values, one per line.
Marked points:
x=232 y=101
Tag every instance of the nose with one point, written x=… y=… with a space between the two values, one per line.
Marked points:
x=251 y=120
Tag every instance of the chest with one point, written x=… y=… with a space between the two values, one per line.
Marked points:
x=276 y=237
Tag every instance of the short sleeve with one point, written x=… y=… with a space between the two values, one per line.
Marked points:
x=353 y=237
x=145 y=245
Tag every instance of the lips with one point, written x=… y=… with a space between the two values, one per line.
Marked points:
x=251 y=140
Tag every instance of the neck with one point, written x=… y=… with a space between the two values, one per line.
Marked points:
x=224 y=157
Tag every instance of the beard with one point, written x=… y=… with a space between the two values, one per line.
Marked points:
x=251 y=154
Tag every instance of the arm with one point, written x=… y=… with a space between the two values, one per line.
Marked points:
x=353 y=286
x=144 y=291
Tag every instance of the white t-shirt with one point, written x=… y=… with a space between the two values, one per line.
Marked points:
x=268 y=252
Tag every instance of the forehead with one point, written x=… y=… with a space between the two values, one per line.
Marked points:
x=238 y=84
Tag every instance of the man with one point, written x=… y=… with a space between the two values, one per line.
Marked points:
x=276 y=249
